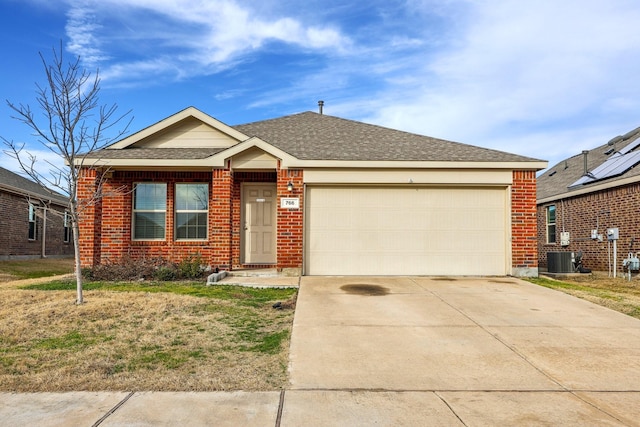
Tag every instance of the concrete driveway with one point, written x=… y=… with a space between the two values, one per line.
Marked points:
x=428 y=351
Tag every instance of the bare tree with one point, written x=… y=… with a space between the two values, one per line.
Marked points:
x=72 y=124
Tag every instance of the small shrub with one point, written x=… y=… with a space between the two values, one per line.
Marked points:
x=87 y=273
x=166 y=273
x=192 y=267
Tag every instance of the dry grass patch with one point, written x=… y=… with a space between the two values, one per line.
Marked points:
x=617 y=293
x=143 y=340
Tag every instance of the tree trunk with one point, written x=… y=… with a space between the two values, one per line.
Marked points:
x=76 y=252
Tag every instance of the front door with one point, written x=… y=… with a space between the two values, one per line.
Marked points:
x=259 y=223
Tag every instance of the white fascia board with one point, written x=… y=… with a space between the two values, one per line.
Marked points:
x=399 y=164
x=473 y=177
x=171 y=120
x=590 y=189
x=218 y=160
x=150 y=163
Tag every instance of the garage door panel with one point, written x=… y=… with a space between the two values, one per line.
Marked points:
x=414 y=231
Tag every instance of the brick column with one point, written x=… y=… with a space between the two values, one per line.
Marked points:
x=290 y=231
x=116 y=213
x=90 y=218
x=524 y=242
x=220 y=217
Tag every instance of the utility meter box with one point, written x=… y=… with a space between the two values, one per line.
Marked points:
x=612 y=234
x=632 y=263
x=564 y=238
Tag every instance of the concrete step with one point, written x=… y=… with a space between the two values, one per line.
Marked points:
x=258 y=272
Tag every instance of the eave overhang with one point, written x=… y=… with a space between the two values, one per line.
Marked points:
x=30 y=194
x=590 y=189
x=287 y=161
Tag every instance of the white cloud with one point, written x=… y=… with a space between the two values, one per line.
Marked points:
x=80 y=28
x=523 y=65
x=180 y=38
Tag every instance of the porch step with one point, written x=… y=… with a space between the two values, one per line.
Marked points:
x=254 y=272
x=259 y=278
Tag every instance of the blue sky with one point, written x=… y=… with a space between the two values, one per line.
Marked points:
x=541 y=78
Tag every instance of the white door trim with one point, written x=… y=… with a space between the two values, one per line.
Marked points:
x=246 y=256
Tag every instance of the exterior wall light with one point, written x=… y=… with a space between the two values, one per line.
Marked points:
x=290 y=186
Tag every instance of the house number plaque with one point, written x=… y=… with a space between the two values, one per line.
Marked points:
x=290 y=203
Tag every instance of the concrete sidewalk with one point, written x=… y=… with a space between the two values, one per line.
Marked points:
x=407 y=351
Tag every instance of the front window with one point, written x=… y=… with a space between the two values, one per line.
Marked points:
x=191 y=204
x=149 y=211
x=551 y=224
x=32 y=222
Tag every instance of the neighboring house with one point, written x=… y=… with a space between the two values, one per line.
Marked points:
x=312 y=193
x=33 y=222
x=587 y=194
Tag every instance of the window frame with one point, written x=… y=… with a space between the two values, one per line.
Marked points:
x=135 y=211
x=177 y=211
x=66 y=227
x=32 y=233
x=551 y=224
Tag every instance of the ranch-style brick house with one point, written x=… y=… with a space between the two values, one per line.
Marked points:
x=312 y=194
x=33 y=220
x=583 y=196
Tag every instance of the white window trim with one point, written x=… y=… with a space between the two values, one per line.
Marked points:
x=547 y=224
x=66 y=227
x=32 y=219
x=134 y=211
x=178 y=211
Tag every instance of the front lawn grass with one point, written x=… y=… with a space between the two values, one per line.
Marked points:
x=615 y=293
x=144 y=336
x=34 y=268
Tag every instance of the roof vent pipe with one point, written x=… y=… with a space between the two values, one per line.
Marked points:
x=320 y=105
x=586 y=165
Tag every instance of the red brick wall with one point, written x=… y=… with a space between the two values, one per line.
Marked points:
x=116 y=216
x=220 y=225
x=617 y=207
x=89 y=218
x=524 y=245
x=290 y=221
x=14 y=229
x=106 y=226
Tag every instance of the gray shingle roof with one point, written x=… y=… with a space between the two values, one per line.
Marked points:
x=312 y=136
x=14 y=181
x=155 y=153
x=556 y=180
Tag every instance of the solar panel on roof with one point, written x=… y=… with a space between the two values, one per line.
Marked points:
x=630 y=147
x=615 y=165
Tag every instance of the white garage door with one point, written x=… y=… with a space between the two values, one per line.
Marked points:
x=406 y=231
